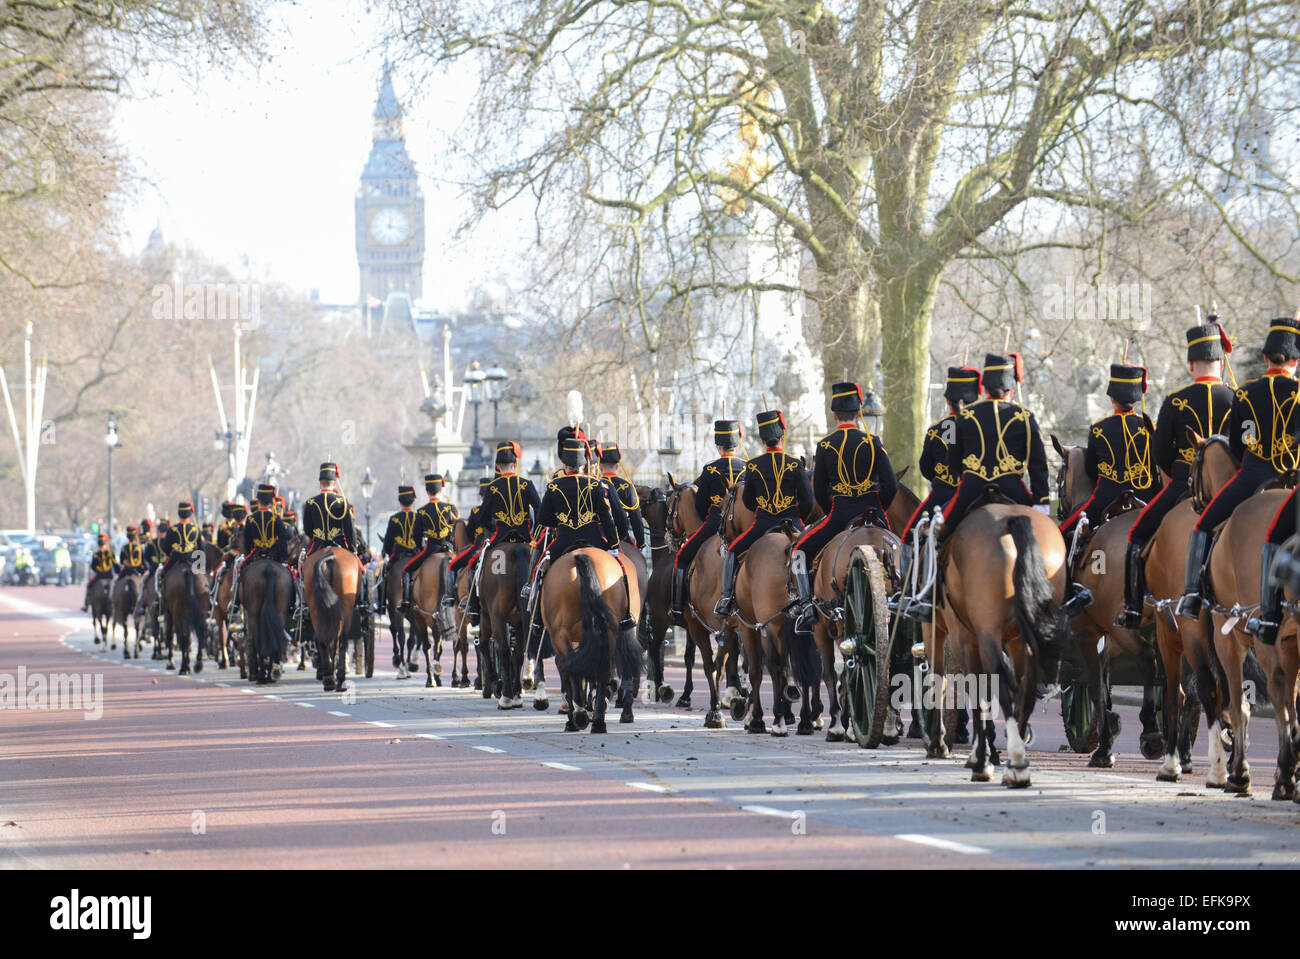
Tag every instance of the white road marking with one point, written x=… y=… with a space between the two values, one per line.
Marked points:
x=651 y=787
x=769 y=811
x=489 y=749
x=226 y=685
x=565 y=766
x=948 y=844
x=375 y=722
x=335 y=712
x=270 y=696
x=430 y=736
x=248 y=691
x=308 y=705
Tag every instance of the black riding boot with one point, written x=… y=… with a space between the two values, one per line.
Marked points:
x=679 y=593
x=533 y=558
x=1189 y=607
x=727 y=601
x=807 y=610
x=405 y=605
x=471 y=612
x=1135 y=589
x=1265 y=624
x=449 y=588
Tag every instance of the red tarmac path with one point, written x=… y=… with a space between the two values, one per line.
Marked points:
x=282 y=787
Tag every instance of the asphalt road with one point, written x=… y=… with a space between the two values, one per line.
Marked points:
x=207 y=771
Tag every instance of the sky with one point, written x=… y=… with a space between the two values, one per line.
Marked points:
x=264 y=163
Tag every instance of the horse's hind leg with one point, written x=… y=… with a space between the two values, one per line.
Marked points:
x=1151 y=743
x=1232 y=656
x=1098 y=666
x=1281 y=692
x=1171 y=769
x=754 y=655
x=684 y=700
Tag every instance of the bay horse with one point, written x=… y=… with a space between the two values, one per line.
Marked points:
x=222 y=581
x=126 y=593
x=332 y=579
x=401 y=626
x=1103 y=555
x=703 y=625
x=1232 y=590
x=264 y=590
x=586 y=594
x=184 y=594
x=149 y=611
x=504 y=572
x=658 y=589
x=429 y=618
x=1004 y=582
x=101 y=609
x=1180 y=640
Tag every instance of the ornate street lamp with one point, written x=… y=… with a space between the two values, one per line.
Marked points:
x=474 y=379
x=111 y=441
x=873 y=412
x=367 y=491
x=496 y=385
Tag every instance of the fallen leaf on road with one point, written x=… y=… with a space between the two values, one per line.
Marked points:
x=12 y=823
x=152 y=852
x=154 y=681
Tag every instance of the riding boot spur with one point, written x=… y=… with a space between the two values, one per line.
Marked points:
x=1264 y=625
x=727 y=600
x=1189 y=607
x=1135 y=588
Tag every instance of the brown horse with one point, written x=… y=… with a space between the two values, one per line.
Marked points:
x=332 y=577
x=220 y=628
x=504 y=572
x=429 y=618
x=1094 y=566
x=704 y=627
x=401 y=626
x=1232 y=585
x=588 y=598
x=184 y=594
x=763 y=598
x=101 y=608
x=149 y=612
x=126 y=593
x=264 y=590
x=658 y=589
x=1004 y=582
x=1180 y=639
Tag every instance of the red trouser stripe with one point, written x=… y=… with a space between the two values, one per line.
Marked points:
x=798 y=544
x=1078 y=512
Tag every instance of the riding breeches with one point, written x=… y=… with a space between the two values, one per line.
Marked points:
x=686 y=555
x=1253 y=474
x=763 y=523
x=971 y=488
x=843 y=512
x=1094 y=507
x=938 y=498
x=1156 y=510
x=1283 y=526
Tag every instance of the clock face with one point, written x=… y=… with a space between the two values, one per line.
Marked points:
x=390 y=226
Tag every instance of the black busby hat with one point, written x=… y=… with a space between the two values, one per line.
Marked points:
x=846 y=398
x=573 y=452
x=771 y=425
x=225 y=509
x=963 y=385
x=610 y=455
x=238 y=511
x=1208 y=342
x=1283 y=338
x=329 y=472
x=266 y=494
x=1127 y=383
x=103 y=538
x=406 y=495
x=433 y=483
x=1001 y=373
x=132 y=532
x=146 y=526
x=483 y=483
x=726 y=433
x=509 y=452
x=184 y=508
x=564 y=433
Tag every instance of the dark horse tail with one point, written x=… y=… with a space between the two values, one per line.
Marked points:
x=329 y=612
x=590 y=660
x=129 y=597
x=271 y=637
x=521 y=554
x=805 y=661
x=197 y=622
x=1035 y=606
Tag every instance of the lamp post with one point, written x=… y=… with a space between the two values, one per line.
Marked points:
x=367 y=491
x=873 y=412
x=496 y=385
x=474 y=379
x=110 y=440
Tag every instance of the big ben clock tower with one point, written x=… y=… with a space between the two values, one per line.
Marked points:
x=389 y=210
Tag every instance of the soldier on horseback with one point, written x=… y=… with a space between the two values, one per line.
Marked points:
x=1201 y=406
x=479 y=527
x=777 y=490
x=1261 y=432
x=179 y=543
x=711 y=488
x=998 y=441
x=264 y=535
x=624 y=494
x=102 y=564
x=401 y=539
x=435 y=525
x=131 y=559
x=509 y=509
x=851 y=476
x=326 y=517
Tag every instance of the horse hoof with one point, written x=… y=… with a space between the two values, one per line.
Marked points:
x=184 y=671
x=1152 y=745
x=665 y=694
x=961 y=737
x=503 y=703
x=937 y=752
x=478 y=682
x=569 y=727
x=580 y=718
x=738 y=709
x=755 y=726
x=683 y=702
x=171 y=665
x=564 y=709
x=713 y=720
x=1101 y=760
x=1283 y=791
x=981 y=775
x=412 y=666
x=1237 y=787
x=598 y=728
x=526 y=683
x=1168 y=777
x=198 y=666
x=397 y=661
x=804 y=729
x=437 y=680
x=1015 y=779
x=541 y=705
x=428 y=684
x=625 y=717
x=835 y=735
x=779 y=730
x=1211 y=784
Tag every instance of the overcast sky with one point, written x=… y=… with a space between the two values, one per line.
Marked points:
x=265 y=163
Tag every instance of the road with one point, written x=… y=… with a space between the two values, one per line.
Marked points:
x=206 y=771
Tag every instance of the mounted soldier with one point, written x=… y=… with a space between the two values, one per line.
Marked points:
x=852 y=476
x=180 y=541
x=1261 y=431
x=624 y=492
x=776 y=490
x=1201 y=406
x=479 y=527
x=998 y=442
x=575 y=509
x=435 y=525
x=711 y=488
x=326 y=517
x=102 y=566
x=402 y=541
x=131 y=559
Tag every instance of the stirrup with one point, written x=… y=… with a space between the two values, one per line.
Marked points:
x=1189 y=606
x=1080 y=598
x=724 y=606
x=1128 y=619
x=803 y=624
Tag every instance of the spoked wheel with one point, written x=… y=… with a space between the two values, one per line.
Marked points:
x=866 y=624
x=1078 y=711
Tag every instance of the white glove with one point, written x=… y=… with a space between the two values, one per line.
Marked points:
x=1044 y=509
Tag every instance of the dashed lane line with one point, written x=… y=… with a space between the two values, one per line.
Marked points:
x=948 y=844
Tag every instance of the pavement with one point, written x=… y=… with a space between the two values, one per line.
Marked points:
x=208 y=771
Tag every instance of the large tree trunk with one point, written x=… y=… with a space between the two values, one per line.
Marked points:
x=907 y=303
x=850 y=326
